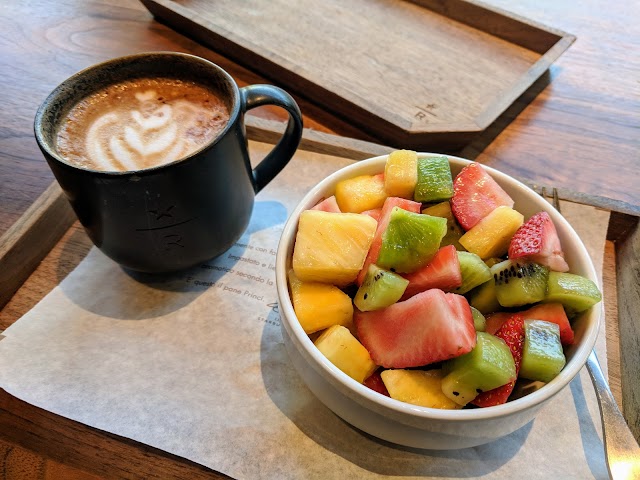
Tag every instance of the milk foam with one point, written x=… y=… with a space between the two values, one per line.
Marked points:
x=148 y=134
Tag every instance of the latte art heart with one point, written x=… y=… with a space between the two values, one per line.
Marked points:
x=141 y=124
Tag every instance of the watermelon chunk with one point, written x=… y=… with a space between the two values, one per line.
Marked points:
x=554 y=313
x=495 y=320
x=443 y=272
x=374 y=213
x=329 y=204
x=537 y=241
x=383 y=222
x=475 y=195
x=429 y=327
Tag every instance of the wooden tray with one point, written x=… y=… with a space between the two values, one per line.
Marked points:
x=415 y=74
x=50 y=258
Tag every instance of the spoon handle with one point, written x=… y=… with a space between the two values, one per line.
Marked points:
x=621 y=448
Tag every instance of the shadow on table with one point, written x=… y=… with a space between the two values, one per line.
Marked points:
x=369 y=453
x=101 y=286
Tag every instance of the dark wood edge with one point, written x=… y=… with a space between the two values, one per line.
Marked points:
x=498 y=22
x=66 y=441
x=627 y=248
x=28 y=241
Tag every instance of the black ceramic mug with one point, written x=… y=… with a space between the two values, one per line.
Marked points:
x=182 y=213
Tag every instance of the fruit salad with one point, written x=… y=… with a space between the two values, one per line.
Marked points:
x=433 y=289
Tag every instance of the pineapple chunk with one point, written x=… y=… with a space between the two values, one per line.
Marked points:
x=332 y=247
x=346 y=352
x=366 y=192
x=401 y=174
x=454 y=231
x=418 y=387
x=319 y=305
x=490 y=237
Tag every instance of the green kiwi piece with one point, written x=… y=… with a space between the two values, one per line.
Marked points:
x=484 y=298
x=542 y=356
x=474 y=272
x=454 y=230
x=519 y=283
x=575 y=292
x=380 y=288
x=488 y=366
x=434 y=180
x=410 y=240
x=479 y=322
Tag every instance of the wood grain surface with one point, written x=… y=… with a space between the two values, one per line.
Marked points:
x=577 y=128
x=417 y=74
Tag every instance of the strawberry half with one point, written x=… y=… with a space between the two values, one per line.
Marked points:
x=537 y=240
x=443 y=272
x=475 y=195
x=512 y=332
x=429 y=327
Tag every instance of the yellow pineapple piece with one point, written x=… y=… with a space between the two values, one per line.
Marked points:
x=331 y=247
x=491 y=236
x=346 y=352
x=357 y=194
x=319 y=305
x=454 y=231
x=401 y=174
x=418 y=387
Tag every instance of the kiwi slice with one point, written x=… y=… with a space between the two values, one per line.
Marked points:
x=542 y=356
x=434 y=180
x=479 y=322
x=575 y=292
x=484 y=297
x=474 y=272
x=380 y=288
x=519 y=283
x=489 y=365
x=410 y=240
x=454 y=230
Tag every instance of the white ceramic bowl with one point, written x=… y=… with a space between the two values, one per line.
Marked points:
x=411 y=425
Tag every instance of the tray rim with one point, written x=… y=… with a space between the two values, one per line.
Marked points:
x=389 y=126
x=35 y=428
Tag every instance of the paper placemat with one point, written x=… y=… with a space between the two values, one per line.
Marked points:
x=195 y=365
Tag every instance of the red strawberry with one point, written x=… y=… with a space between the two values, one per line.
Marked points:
x=383 y=223
x=443 y=272
x=429 y=327
x=552 y=312
x=375 y=213
x=537 y=240
x=374 y=382
x=329 y=204
x=512 y=332
x=475 y=195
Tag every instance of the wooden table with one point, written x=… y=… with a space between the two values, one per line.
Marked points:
x=577 y=129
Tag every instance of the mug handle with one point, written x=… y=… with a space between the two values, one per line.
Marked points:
x=254 y=96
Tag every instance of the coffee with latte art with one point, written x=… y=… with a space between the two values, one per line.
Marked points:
x=140 y=124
